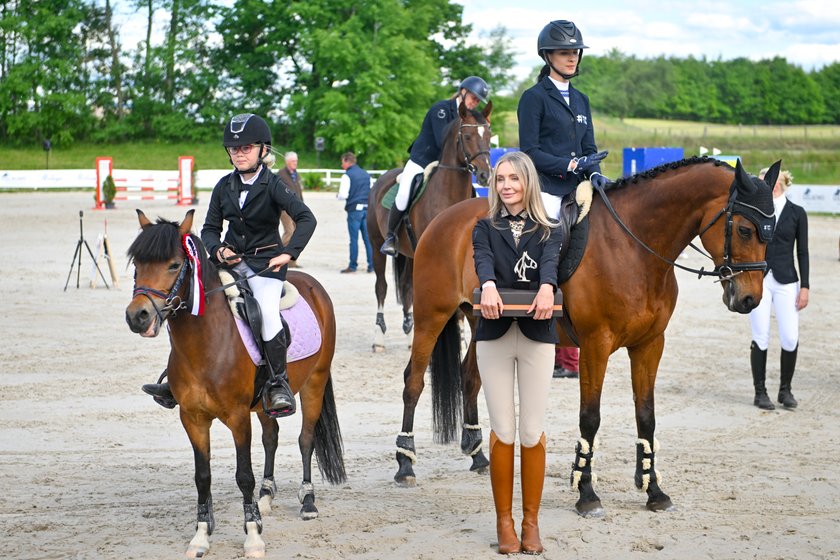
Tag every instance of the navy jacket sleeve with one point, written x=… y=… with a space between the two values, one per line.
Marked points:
x=482 y=253
x=802 y=248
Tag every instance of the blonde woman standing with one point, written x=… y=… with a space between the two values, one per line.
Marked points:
x=785 y=291
x=516 y=246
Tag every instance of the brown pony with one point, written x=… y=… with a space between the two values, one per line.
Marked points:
x=212 y=375
x=621 y=295
x=465 y=151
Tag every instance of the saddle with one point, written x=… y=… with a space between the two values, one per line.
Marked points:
x=303 y=335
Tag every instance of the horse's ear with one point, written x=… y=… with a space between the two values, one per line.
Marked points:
x=743 y=179
x=141 y=217
x=186 y=225
x=462 y=110
x=772 y=174
x=487 y=110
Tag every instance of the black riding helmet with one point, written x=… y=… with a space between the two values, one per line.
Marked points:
x=245 y=129
x=560 y=34
x=477 y=87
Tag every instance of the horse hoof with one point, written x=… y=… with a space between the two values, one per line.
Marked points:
x=592 y=510
x=378 y=349
x=254 y=545
x=308 y=512
x=665 y=505
x=196 y=552
x=265 y=504
x=406 y=481
x=200 y=543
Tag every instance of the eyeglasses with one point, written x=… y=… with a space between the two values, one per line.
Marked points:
x=244 y=149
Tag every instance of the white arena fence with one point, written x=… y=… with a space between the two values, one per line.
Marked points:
x=146 y=185
x=814 y=198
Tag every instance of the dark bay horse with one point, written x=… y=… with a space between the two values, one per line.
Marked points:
x=465 y=151
x=213 y=376
x=621 y=295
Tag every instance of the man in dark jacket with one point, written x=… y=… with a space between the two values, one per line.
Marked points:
x=291 y=177
x=354 y=190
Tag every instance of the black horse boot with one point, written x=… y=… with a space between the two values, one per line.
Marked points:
x=278 y=399
x=394 y=217
x=160 y=392
x=788 y=365
x=758 y=362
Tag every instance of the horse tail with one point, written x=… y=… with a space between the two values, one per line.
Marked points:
x=446 y=382
x=329 y=448
x=400 y=275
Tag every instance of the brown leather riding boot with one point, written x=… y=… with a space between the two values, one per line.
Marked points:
x=501 y=479
x=532 y=461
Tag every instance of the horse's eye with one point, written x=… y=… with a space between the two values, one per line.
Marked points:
x=745 y=232
x=174 y=267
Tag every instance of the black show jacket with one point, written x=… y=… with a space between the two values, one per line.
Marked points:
x=791 y=228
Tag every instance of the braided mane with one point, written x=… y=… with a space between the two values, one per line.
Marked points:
x=653 y=172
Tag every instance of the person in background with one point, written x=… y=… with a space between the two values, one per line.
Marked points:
x=516 y=246
x=426 y=148
x=290 y=176
x=784 y=291
x=354 y=190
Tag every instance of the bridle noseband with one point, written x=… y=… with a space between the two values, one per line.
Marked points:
x=172 y=302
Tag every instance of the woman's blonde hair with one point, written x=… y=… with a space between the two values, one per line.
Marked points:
x=531 y=198
x=785 y=176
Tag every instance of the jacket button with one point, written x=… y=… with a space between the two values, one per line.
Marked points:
x=574 y=154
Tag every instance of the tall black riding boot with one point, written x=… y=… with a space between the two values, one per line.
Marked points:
x=161 y=392
x=758 y=362
x=278 y=400
x=788 y=365
x=390 y=246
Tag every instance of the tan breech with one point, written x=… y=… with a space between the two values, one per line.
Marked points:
x=516 y=357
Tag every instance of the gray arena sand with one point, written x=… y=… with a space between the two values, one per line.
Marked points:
x=91 y=468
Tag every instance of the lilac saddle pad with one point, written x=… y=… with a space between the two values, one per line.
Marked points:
x=306 y=335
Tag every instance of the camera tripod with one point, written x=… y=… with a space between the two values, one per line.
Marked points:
x=78 y=253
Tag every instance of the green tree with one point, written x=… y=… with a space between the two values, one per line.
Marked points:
x=828 y=80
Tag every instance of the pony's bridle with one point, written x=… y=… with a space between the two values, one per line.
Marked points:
x=726 y=271
x=468 y=165
x=172 y=302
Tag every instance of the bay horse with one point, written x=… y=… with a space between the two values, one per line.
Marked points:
x=212 y=375
x=621 y=295
x=465 y=151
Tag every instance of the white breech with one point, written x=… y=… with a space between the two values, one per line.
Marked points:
x=782 y=299
x=552 y=205
x=409 y=171
x=267 y=292
x=531 y=364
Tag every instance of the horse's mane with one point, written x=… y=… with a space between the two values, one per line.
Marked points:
x=162 y=241
x=653 y=172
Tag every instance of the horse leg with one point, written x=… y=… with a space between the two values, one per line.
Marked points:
x=311 y=404
x=644 y=363
x=471 y=438
x=592 y=371
x=406 y=454
x=379 y=262
x=407 y=294
x=198 y=431
x=240 y=426
x=268 y=488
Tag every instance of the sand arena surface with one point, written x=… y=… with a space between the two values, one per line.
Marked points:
x=90 y=467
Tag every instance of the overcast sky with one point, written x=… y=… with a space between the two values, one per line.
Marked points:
x=805 y=32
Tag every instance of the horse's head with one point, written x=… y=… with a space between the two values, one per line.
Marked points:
x=741 y=240
x=161 y=271
x=471 y=134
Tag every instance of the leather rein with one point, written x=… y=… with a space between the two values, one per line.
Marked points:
x=726 y=271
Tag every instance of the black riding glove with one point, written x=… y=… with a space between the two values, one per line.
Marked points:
x=588 y=164
x=598 y=181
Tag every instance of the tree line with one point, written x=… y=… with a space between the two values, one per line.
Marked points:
x=359 y=74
